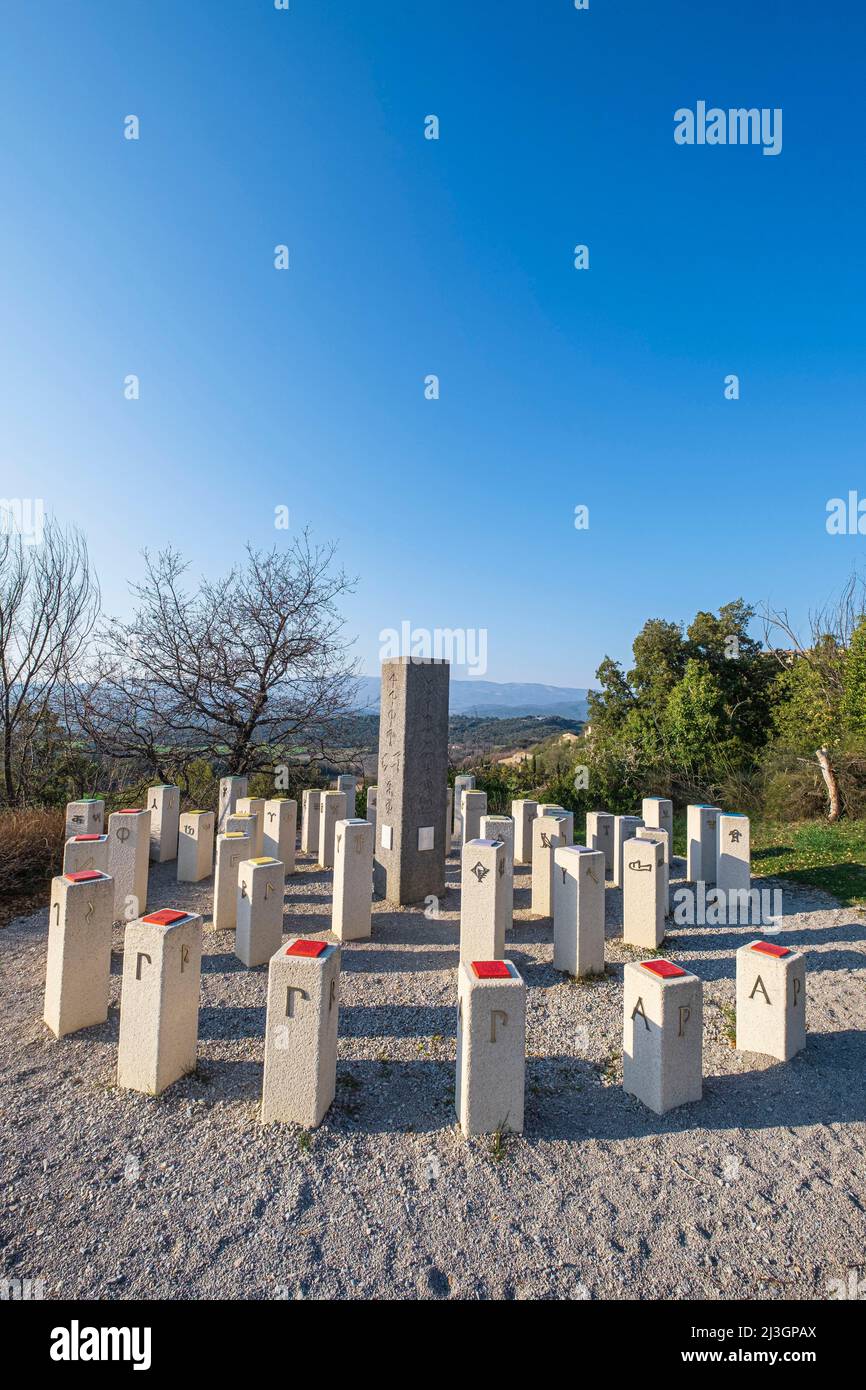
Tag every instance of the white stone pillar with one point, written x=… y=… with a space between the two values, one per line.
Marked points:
x=523 y=814
x=195 y=846
x=734 y=862
x=353 y=880
x=449 y=820
x=300 y=1075
x=281 y=831
x=84 y=852
x=240 y=823
x=463 y=782
x=372 y=799
x=624 y=828
x=548 y=834
x=78 y=965
x=771 y=1000
x=662 y=1035
x=85 y=817
x=129 y=862
x=658 y=814
x=232 y=849
x=254 y=806
x=659 y=837
x=333 y=809
x=578 y=910
x=164 y=805
x=644 y=894
x=259 y=930
x=230 y=789
x=701 y=835
x=159 y=1000
x=599 y=835
x=349 y=785
x=473 y=808
x=311 y=806
x=484 y=893
x=502 y=828
x=552 y=808
x=491 y=1047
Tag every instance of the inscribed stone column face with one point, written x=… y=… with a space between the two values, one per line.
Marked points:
x=300 y=1074
x=662 y=1034
x=85 y=817
x=239 y=823
x=333 y=810
x=552 y=808
x=253 y=806
x=491 y=1047
x=484 y=893
x=659 y=837
x=164 y=805
x=159 y=1000
x=349 y=785
x=78 y=964
x=644 y=894
x=599 y=835
x=230 y=789
x=463 y=782
x=281 y=831
x=195 y=846
x=624 y=828
x=548 y=834
x=578 y=910
x=84 y=852
x=353 y=880
x=523 y=814
x=734 y=864
x=413 y=766
x=259 y=930
x=771 y=1000
x=312 y=812
x=502 y=828
x=474 y=807
x=658 y=814
x=129 y=861
x=232 y=849
x=701 y=835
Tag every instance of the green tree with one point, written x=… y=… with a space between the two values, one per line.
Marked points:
x=853 y=705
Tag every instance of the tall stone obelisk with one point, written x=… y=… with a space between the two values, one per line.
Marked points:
x=412 y=806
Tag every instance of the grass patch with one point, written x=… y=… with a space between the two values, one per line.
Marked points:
x=500 y=1142
x=729 y=1022
x=587 y=981
x=611 y=1069
x=32 y=854
x=817 y=853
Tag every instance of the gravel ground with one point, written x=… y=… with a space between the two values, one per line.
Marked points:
x=756 y=1192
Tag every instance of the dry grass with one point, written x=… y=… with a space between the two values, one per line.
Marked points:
x=31 y=853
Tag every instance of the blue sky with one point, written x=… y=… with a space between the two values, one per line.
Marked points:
x=559 y=387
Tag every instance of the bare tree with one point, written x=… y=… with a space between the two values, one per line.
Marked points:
x=830 y=630
x=236 y=670
x=49 y=602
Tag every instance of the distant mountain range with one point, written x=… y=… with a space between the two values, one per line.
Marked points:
x=494 y=699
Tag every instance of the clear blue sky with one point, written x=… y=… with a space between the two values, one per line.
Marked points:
x=409 y=257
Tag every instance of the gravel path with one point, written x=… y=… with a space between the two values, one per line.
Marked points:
x=757 y=1192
